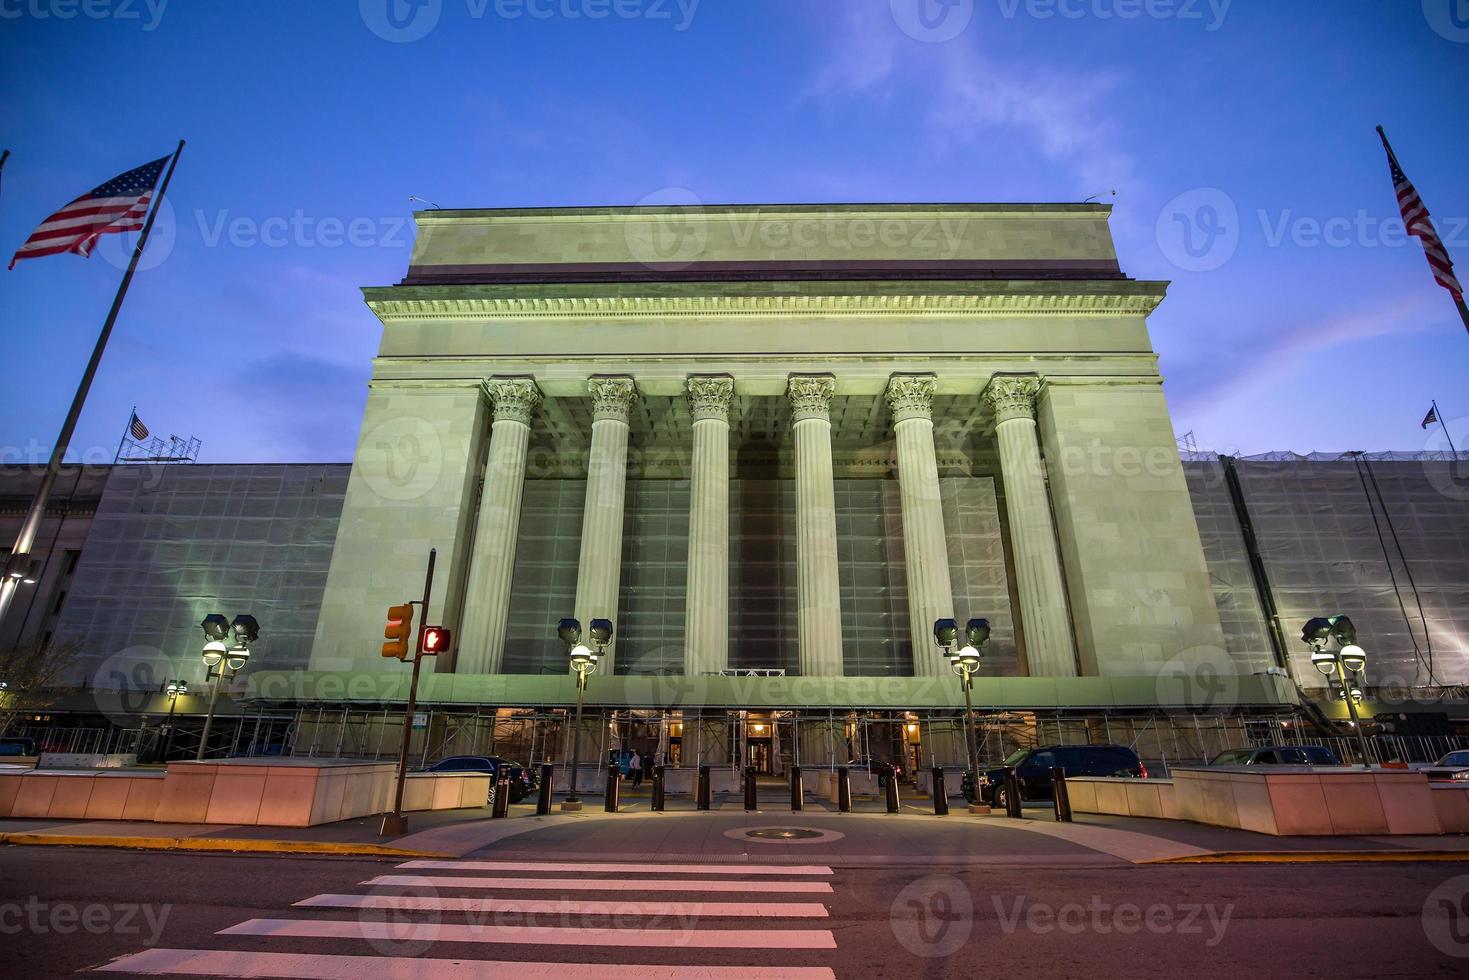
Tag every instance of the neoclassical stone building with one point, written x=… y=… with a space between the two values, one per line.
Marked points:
x=779 y=440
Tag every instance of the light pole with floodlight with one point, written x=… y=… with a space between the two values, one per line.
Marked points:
x=583 y=662
x=220 y=656
x=1347 y=664
x=965 y=663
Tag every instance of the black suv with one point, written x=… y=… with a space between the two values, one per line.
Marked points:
x=1033 y=770
x=1277 y=755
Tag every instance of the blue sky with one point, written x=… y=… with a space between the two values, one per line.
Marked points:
x=1253 y=118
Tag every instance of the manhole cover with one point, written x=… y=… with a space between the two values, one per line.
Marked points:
x=784 y=833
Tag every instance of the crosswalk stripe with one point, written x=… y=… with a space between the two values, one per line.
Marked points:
x=417 y=903
x=315 y=966
x=603 y=884
x=662 y=869
x=537 y=935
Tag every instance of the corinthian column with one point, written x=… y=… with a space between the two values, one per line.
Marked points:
x=706 y=615
x=600 y=570
x=1048 y=644
x=925 y=548
x=817 y=588
x=492 y=565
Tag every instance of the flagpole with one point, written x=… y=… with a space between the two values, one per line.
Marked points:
x=1439 y=415
x=127 y=430
x=26 y=537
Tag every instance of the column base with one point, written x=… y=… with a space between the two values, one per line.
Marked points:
x=978 y=808
x=573 y=806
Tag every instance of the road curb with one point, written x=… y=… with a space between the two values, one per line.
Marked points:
x=229 y=844
x=1309 y=857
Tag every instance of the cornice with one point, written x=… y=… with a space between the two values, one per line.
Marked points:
x=885 y=304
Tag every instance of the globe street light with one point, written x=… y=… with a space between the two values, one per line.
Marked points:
x=965 y=663
x=583 y=662
x=226 y=651
x=1347 y=664
x=173 y=689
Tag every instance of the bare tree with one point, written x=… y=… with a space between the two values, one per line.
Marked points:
x=28 y=679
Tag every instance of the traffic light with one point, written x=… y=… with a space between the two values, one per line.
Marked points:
x=435 y=639
x=399 y=631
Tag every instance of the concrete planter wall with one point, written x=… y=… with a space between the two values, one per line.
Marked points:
x=1285 y=801
x=278 y=793
x=86 y=760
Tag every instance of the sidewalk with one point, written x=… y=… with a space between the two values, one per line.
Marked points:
x=910 y=838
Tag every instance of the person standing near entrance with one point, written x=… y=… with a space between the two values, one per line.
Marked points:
x=635 y=768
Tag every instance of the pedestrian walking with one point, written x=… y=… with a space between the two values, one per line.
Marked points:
x=635 y=768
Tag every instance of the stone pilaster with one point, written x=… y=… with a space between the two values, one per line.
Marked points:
x=818 y=588
x=925 y=548
x=1050 y=651
x=599 y=571
x=706 y=616
x=487 y=602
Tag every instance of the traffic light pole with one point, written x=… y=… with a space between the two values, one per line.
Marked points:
x=395 y=823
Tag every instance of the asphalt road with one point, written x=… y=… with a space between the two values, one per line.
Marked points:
x=65 y=910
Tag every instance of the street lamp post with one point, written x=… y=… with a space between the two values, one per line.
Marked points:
x=1346 y=665
x=173 y=689
x=583 y=662
x=220 y=657
x=965 y=663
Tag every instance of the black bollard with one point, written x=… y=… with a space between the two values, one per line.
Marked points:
x=1012 y=794
x=543 y=796
x=844 y=789
x=940 y=793
x=702 y=798
x=798 y=796
x=502 y=793
x=1061 y=794
x=659 y=800
x=892 y=792
x=613 y=785
x=751 y=804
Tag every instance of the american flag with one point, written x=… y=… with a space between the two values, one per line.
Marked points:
x=1420 y=225
x=137 y=429
x=116 y=206
x=1430 y=418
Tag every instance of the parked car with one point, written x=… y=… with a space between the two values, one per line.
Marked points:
x=1277 y=755
x=1033 y=770
x=1453 y=768
x=522 y=780
x=12 y=747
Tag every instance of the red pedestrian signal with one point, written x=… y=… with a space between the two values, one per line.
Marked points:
x=398 y=631
x=435 y=640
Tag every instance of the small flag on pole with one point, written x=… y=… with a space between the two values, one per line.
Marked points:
x=1430 y=418
x=137 y=429
x=1420 y=225
x=116 y=206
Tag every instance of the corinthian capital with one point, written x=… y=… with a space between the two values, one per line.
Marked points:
x=910 y=396
x=810 y=396
x=515 y=399
x=709 y=396
x=1012 y=396
x=612 y=397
